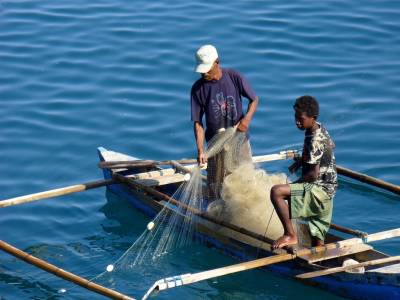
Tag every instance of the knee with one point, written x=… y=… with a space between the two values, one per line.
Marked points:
x=275 y=192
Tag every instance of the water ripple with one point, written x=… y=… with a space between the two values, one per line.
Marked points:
x=118 y=74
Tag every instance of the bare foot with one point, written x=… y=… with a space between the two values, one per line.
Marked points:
x=284 y=240
x=316 y=242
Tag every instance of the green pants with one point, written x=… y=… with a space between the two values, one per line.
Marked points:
x=311 y=202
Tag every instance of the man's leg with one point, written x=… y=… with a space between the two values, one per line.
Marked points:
x=278 y=195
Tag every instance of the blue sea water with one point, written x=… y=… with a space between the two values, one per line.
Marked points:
x=75 y=75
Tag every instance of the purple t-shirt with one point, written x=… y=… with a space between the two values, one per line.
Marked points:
x=220 y=101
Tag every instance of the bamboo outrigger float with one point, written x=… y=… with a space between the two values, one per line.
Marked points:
x=148 y=188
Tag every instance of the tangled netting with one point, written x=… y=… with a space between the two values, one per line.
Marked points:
x=242 y=192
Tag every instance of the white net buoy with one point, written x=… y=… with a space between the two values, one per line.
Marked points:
x=110 y=268
x=186 y=177
x=150 y=226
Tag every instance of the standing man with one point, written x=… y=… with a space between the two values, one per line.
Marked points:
x=218 y=96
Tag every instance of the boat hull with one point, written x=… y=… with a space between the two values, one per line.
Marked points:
x=354 y=286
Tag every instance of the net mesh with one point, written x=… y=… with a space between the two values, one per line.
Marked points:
x=235 y=191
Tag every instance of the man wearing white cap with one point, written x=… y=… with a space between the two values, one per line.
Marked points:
x=218 y=96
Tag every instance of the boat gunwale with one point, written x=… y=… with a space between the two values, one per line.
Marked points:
x=285 y=269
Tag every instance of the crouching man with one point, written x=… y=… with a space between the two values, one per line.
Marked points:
x=310 y=196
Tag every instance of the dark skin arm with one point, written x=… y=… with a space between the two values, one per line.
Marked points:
x=309 y=173
x=295 y=166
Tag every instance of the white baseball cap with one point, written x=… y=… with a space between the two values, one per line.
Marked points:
x=205 y=57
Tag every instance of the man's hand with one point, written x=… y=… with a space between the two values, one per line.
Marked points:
x=243 y=125
x=201 y=158
x=295 y=166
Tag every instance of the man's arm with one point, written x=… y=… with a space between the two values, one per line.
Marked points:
x=245 y=121
x=199 y=136
x=295 y=165
x=310 y=173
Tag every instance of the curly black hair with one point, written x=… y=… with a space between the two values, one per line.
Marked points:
x=307 y=104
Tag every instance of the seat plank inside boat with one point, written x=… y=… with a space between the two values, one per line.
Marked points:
x=337 y=252
x=161 y=180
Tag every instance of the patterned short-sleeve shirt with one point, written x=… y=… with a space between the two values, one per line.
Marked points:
x=318 y=149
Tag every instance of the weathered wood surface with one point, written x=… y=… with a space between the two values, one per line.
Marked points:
x=349 y=267
x=391 y=269
x=388 y=234
x=336 y=252
x=184 y=279
x=163 y=180
x=348 y=230
x=135 y=163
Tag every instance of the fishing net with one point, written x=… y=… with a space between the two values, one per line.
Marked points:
x=239 y=195
x=170 y=230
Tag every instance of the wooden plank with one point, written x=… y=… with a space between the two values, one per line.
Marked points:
x=346 y=268
x=152 y=174
x=175 y=281
x=127 y=162
x=355 y=245
x=279 y=156
x=184 y=279
x=391 y=269
x=336 y=252
x=383 y=235
x=163 y=180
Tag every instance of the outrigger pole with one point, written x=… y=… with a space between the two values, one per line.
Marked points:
x=62 y=273
x=150 y=163
x=256 y=159
x=122 y=164
x=175 y=281
x=369 y=180
x=56 y=192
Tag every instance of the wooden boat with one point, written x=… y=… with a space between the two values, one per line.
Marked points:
x=145 y=188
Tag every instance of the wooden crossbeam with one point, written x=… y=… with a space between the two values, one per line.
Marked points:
x=350 y=267
x=151 y=163
x=336 y=252
x=184 y=279
x=56 y=192
x=163 y=180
